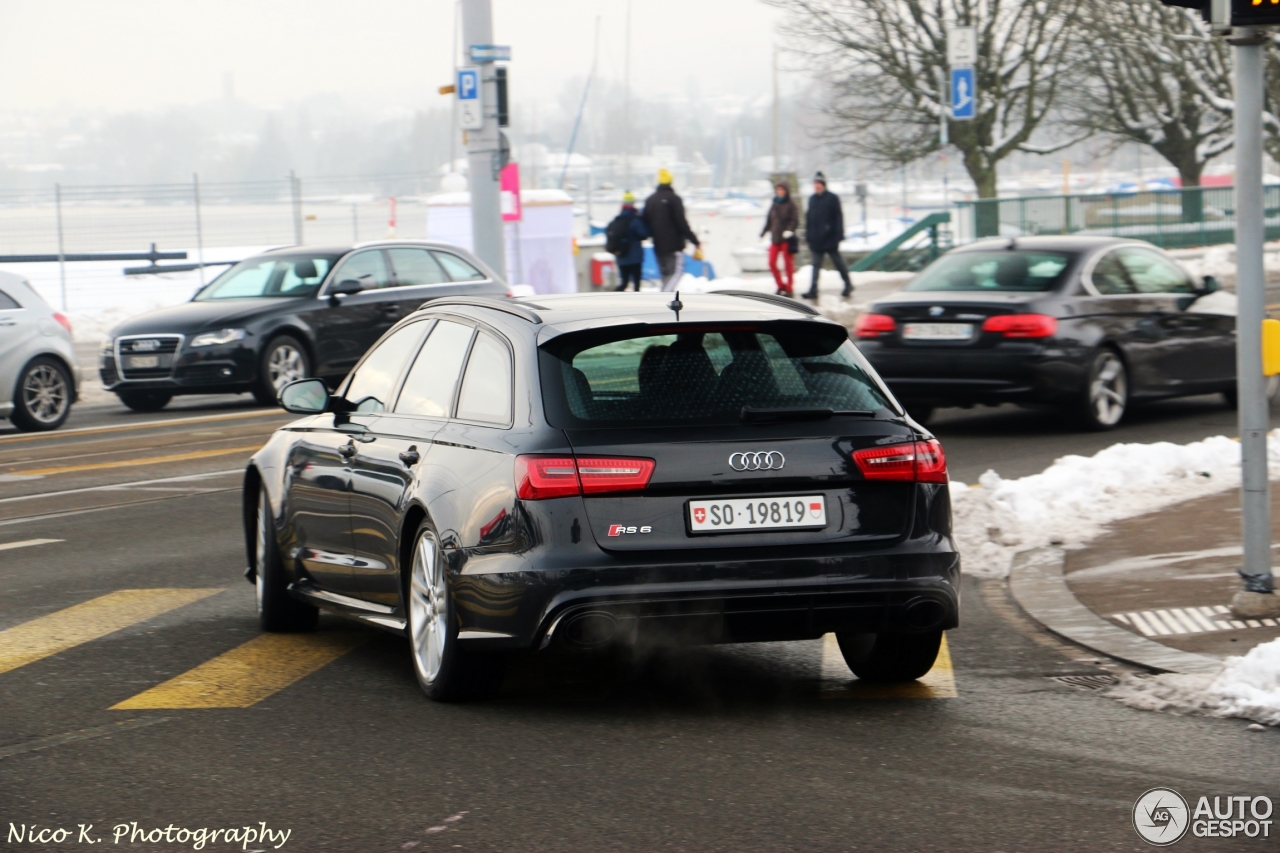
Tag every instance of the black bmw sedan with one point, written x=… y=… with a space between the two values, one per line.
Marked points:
x=1088 y=324
x=287 y=314
x=580 y=471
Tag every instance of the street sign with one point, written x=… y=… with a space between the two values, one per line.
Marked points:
x=470 y=105
x=962 y=47
x=490 y=53
x=963 y=94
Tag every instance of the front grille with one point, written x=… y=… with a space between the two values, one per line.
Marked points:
x=147 y=356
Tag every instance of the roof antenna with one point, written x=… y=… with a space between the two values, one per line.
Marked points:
x=676 y=305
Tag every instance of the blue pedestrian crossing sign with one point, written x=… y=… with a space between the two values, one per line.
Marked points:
x=963 y=94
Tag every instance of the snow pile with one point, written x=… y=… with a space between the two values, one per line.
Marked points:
x=1072 y=500
x=1247 y=687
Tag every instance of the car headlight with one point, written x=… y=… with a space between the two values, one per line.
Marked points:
x=222 y=336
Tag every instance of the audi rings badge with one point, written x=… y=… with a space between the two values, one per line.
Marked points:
x=770 y=460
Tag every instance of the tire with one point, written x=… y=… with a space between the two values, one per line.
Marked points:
x=1106 y=393
x=42 y=398
x=445 y=671
x=145 y=401
x=283 y=360
x=278 y=611
x=890 y=657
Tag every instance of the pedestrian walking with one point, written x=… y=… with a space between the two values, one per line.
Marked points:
x=781 y=224
x=664 y=216
x=624 y=238
x=824 y=229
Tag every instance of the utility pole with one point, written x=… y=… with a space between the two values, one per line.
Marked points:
x=1258 y=598
x=483 y=147
x=626 y=106
x=777 y=164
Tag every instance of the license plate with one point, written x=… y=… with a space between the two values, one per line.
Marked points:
x=140 y=361
x=758 y=513
x=937 y=331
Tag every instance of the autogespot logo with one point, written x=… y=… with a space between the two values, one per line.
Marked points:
x=763 y=461
x=1160 y=816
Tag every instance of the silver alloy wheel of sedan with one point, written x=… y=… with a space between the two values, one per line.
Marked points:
x=45 y=393
x=428 y=608
x=1108 y=390
x=285 y=364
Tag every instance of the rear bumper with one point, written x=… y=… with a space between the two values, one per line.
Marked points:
x=1019 y=373
x=744 y=602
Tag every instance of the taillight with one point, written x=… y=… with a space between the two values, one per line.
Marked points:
x=542 y=477
x=609 y=474
x=62 y=321
x=1022 y=325
x=874 y=325
x=916 y=462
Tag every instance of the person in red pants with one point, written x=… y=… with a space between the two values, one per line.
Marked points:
x=781 y=225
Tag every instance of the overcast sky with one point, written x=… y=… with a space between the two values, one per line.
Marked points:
x=123 y=55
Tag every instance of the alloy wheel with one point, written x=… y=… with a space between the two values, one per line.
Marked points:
x=428 y=609
x=285 y=364
x=1108 y=390
x=45 y=393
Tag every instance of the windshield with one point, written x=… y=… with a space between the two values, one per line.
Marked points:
x=996 y=271
x=704 y=376
x=270 y=276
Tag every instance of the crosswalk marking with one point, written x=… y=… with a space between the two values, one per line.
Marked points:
x=106 y=614
x=1188 y=620
x=27 y=543
x=248 y=673
x=839 y=681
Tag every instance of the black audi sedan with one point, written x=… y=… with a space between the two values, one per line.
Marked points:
x=1088 y=324
x=581 y=471
x=287 y=314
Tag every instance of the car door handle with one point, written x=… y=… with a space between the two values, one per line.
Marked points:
x=391 y=309
x=411 y=457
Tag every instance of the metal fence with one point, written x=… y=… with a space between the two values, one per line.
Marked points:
x=208 y=221
x=1173 y=219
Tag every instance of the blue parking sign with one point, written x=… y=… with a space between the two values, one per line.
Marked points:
x=964 y=95
x=468 y=84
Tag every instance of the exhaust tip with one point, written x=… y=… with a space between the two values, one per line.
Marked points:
x=924 y=614
x=591 y=629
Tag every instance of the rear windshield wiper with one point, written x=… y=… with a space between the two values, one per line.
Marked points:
x=753 y=415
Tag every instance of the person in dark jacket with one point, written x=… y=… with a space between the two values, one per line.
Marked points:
x=631 y=259
x=664 y=215
x=781 y=224
x=824 y=229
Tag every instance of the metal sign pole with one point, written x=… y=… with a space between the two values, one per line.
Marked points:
x=483 y=145
x=1257 y=598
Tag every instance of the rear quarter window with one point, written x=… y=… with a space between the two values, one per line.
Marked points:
x=7 y=302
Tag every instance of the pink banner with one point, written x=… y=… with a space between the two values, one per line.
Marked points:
x=509 y=184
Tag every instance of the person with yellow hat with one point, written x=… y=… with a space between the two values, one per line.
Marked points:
x=624 y=238
x=664 y=215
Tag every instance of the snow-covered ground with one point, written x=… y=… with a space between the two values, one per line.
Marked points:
x=1072 y=500
x=1248 y=686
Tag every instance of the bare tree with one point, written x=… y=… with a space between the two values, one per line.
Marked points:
x=885 y=62
x=1155 y=76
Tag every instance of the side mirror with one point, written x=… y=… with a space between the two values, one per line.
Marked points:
x=344 y=288
x=305 y=397
x=1210 y=285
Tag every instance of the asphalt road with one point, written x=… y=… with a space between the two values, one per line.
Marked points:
x=135 y=687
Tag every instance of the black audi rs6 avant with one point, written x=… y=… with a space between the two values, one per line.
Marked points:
x=583 y=471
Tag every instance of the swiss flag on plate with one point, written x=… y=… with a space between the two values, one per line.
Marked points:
x=815 y=508
x=699 y=515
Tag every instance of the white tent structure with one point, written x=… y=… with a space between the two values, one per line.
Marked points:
x=539 y=245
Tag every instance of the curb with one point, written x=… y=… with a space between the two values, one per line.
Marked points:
x=1037 y=584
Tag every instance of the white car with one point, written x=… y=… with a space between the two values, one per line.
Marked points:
x=39 y=379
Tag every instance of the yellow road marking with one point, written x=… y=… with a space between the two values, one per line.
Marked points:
x=129 y=463
x=937 y=683
x=65 y=629
x=78 y=431
x=248 y=673
x=27 y=543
